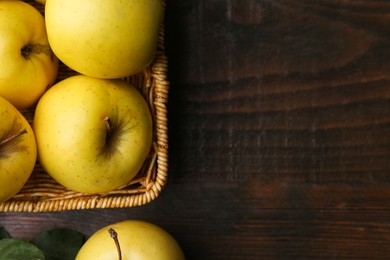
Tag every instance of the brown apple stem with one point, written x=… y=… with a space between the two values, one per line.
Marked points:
x=109 y=128
x=11 y=137
x=35 y=48
x=114 y=236
x=108 y=122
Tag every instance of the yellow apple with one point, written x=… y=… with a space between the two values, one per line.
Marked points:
x=93 y=135
x=41 y=1
x=28 y=66
x=104 y=39
x=18 y=151
x=131 y=239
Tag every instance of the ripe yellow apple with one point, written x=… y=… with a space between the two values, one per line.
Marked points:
x=28 y=66
x=93 y=135
x=132 y=239
x=18 y=151
x=104 y=39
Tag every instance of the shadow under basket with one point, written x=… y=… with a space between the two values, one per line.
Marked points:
x=42 y=193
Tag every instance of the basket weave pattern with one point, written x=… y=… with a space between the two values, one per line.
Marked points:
x=42 y=193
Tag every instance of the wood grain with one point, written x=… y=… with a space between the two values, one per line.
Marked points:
x=279 y=131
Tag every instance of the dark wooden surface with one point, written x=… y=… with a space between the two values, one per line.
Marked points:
x=279 y=126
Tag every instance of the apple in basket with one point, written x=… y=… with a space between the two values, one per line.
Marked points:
x=131 y=239
x=18 y=151
x=104 y=39
x=93 y=135
x=28 y=66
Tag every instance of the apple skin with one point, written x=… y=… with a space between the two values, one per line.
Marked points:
x=17 y=156
x=138 y=239
x=104 y=39
x=75 y=145
x=28 y=66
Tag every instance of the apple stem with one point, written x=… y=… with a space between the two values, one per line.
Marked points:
x=109 y=125
x=114 y=236
x=35 y=48
x=109 y=128
x=11 y=137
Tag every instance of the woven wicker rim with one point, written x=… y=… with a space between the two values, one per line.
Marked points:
x=41 y=193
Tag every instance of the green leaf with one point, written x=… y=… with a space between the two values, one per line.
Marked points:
x=19 y=249
x=4 y=233
x=59 y=243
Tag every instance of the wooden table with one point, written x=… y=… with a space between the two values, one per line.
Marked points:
x=279 y=131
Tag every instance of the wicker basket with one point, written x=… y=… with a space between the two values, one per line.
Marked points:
x=41 y=193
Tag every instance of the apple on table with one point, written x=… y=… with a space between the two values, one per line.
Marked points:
x=131 y=239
